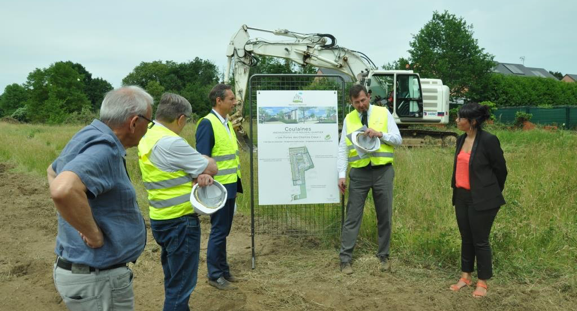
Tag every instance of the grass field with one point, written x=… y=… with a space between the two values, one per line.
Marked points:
x=534 y=236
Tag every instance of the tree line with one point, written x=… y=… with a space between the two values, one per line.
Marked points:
x=444 y=48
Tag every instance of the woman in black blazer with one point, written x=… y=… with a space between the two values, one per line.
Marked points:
x=479 y=174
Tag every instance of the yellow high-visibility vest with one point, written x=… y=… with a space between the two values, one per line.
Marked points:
x=168 y=193
x=225 y=151
x=377 y=121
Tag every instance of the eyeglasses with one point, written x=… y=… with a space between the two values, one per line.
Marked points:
x=151 y=123
x=188 y=118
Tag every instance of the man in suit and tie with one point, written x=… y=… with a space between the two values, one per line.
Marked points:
x=371 y=170
x=215 y=138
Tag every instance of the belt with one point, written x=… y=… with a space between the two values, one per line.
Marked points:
x=370 y=166
x=80 y=268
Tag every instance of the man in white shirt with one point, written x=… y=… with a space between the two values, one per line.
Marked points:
x=372 y=170
x=215 y=137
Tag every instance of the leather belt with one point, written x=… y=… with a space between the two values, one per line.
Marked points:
x=80 y=268
x=370 y=166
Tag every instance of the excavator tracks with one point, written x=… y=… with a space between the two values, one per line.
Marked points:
x=416 y=138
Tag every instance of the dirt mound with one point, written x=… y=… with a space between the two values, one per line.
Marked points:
x=290 y=274
x=9 y=120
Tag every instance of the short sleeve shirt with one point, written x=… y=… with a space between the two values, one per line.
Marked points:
x=97 y=156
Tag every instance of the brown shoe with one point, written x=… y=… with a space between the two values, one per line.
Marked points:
x=233 y=279
x=221 y=283
x=385 y=264
x=346 y=268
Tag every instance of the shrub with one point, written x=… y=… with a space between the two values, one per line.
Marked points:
x=521 y=117
x=515 y=91
x=492 y=107
x=84 y=117
x=453 y=115
x=21 y=114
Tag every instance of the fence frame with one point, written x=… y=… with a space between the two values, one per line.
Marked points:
x=281 y=223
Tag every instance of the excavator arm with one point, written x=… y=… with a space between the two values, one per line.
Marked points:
x=319 y=50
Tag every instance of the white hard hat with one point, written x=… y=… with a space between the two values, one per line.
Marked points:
x=209 y=199
x=365 y=143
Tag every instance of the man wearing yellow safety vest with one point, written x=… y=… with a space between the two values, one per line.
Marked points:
x=371 y=170
x=169 y=167
x=216 y=138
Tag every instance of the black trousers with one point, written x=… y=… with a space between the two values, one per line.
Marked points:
x=475 y=227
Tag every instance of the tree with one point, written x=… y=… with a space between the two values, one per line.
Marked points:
x=445 y=48
x=274 y=65
x=193 y=80
x=400 y=64
x=557 y=74
x=146 y=72
x=14 y=97
x=54 y=93
x=95 y=90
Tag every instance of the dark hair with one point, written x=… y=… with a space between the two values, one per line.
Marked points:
x=172 y=106
x=218 y=91
x=356 y=89
x=474 y=111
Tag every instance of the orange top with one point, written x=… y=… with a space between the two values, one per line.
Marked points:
x=462 y=171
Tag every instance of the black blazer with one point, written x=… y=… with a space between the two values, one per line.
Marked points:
x=487 y=171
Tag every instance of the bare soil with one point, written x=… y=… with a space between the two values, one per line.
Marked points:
x=290 y=274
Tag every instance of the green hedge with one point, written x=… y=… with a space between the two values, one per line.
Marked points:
x=512 y=91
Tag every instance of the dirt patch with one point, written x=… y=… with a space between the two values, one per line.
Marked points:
x=290 y=274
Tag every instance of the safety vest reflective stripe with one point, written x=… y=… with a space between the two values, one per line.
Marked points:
x=170 y=202
x=167 y=183
x=352 y=159
x=227 y=171
x=382 y=155
x=224 y=157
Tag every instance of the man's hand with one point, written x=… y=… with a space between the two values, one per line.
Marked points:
x=204 y=180
x=342 y=185
x=372 y=133
x=95 y=242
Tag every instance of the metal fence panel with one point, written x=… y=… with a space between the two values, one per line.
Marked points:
x=294 y=220
x=551 y=116
x=572 y=120
x=562 y=116
x=507 y=115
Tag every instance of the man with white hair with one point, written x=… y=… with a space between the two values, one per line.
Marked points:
x=100 y=226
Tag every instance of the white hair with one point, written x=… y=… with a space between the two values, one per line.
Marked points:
x=121 y=104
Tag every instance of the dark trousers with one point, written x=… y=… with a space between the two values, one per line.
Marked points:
x=179 y=239
x=361 y=180
x=475 y=227
x=221 y=222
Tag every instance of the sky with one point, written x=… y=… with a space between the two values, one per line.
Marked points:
x=110 y=38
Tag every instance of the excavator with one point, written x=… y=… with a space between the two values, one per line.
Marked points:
x=410 y=99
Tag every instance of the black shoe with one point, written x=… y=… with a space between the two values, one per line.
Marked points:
x=221 y=283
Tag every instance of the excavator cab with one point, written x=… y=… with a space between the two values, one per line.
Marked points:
x=398 y=91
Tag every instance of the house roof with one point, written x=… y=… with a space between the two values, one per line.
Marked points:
x=520 y=70
x=326 y=71
x=574 y=77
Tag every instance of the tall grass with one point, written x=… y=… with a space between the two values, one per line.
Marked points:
x=534 y=236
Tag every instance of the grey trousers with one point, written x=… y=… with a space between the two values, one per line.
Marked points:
x=361 y=180
x=99 y=291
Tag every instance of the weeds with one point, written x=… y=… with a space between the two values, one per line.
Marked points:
x=534 y=236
